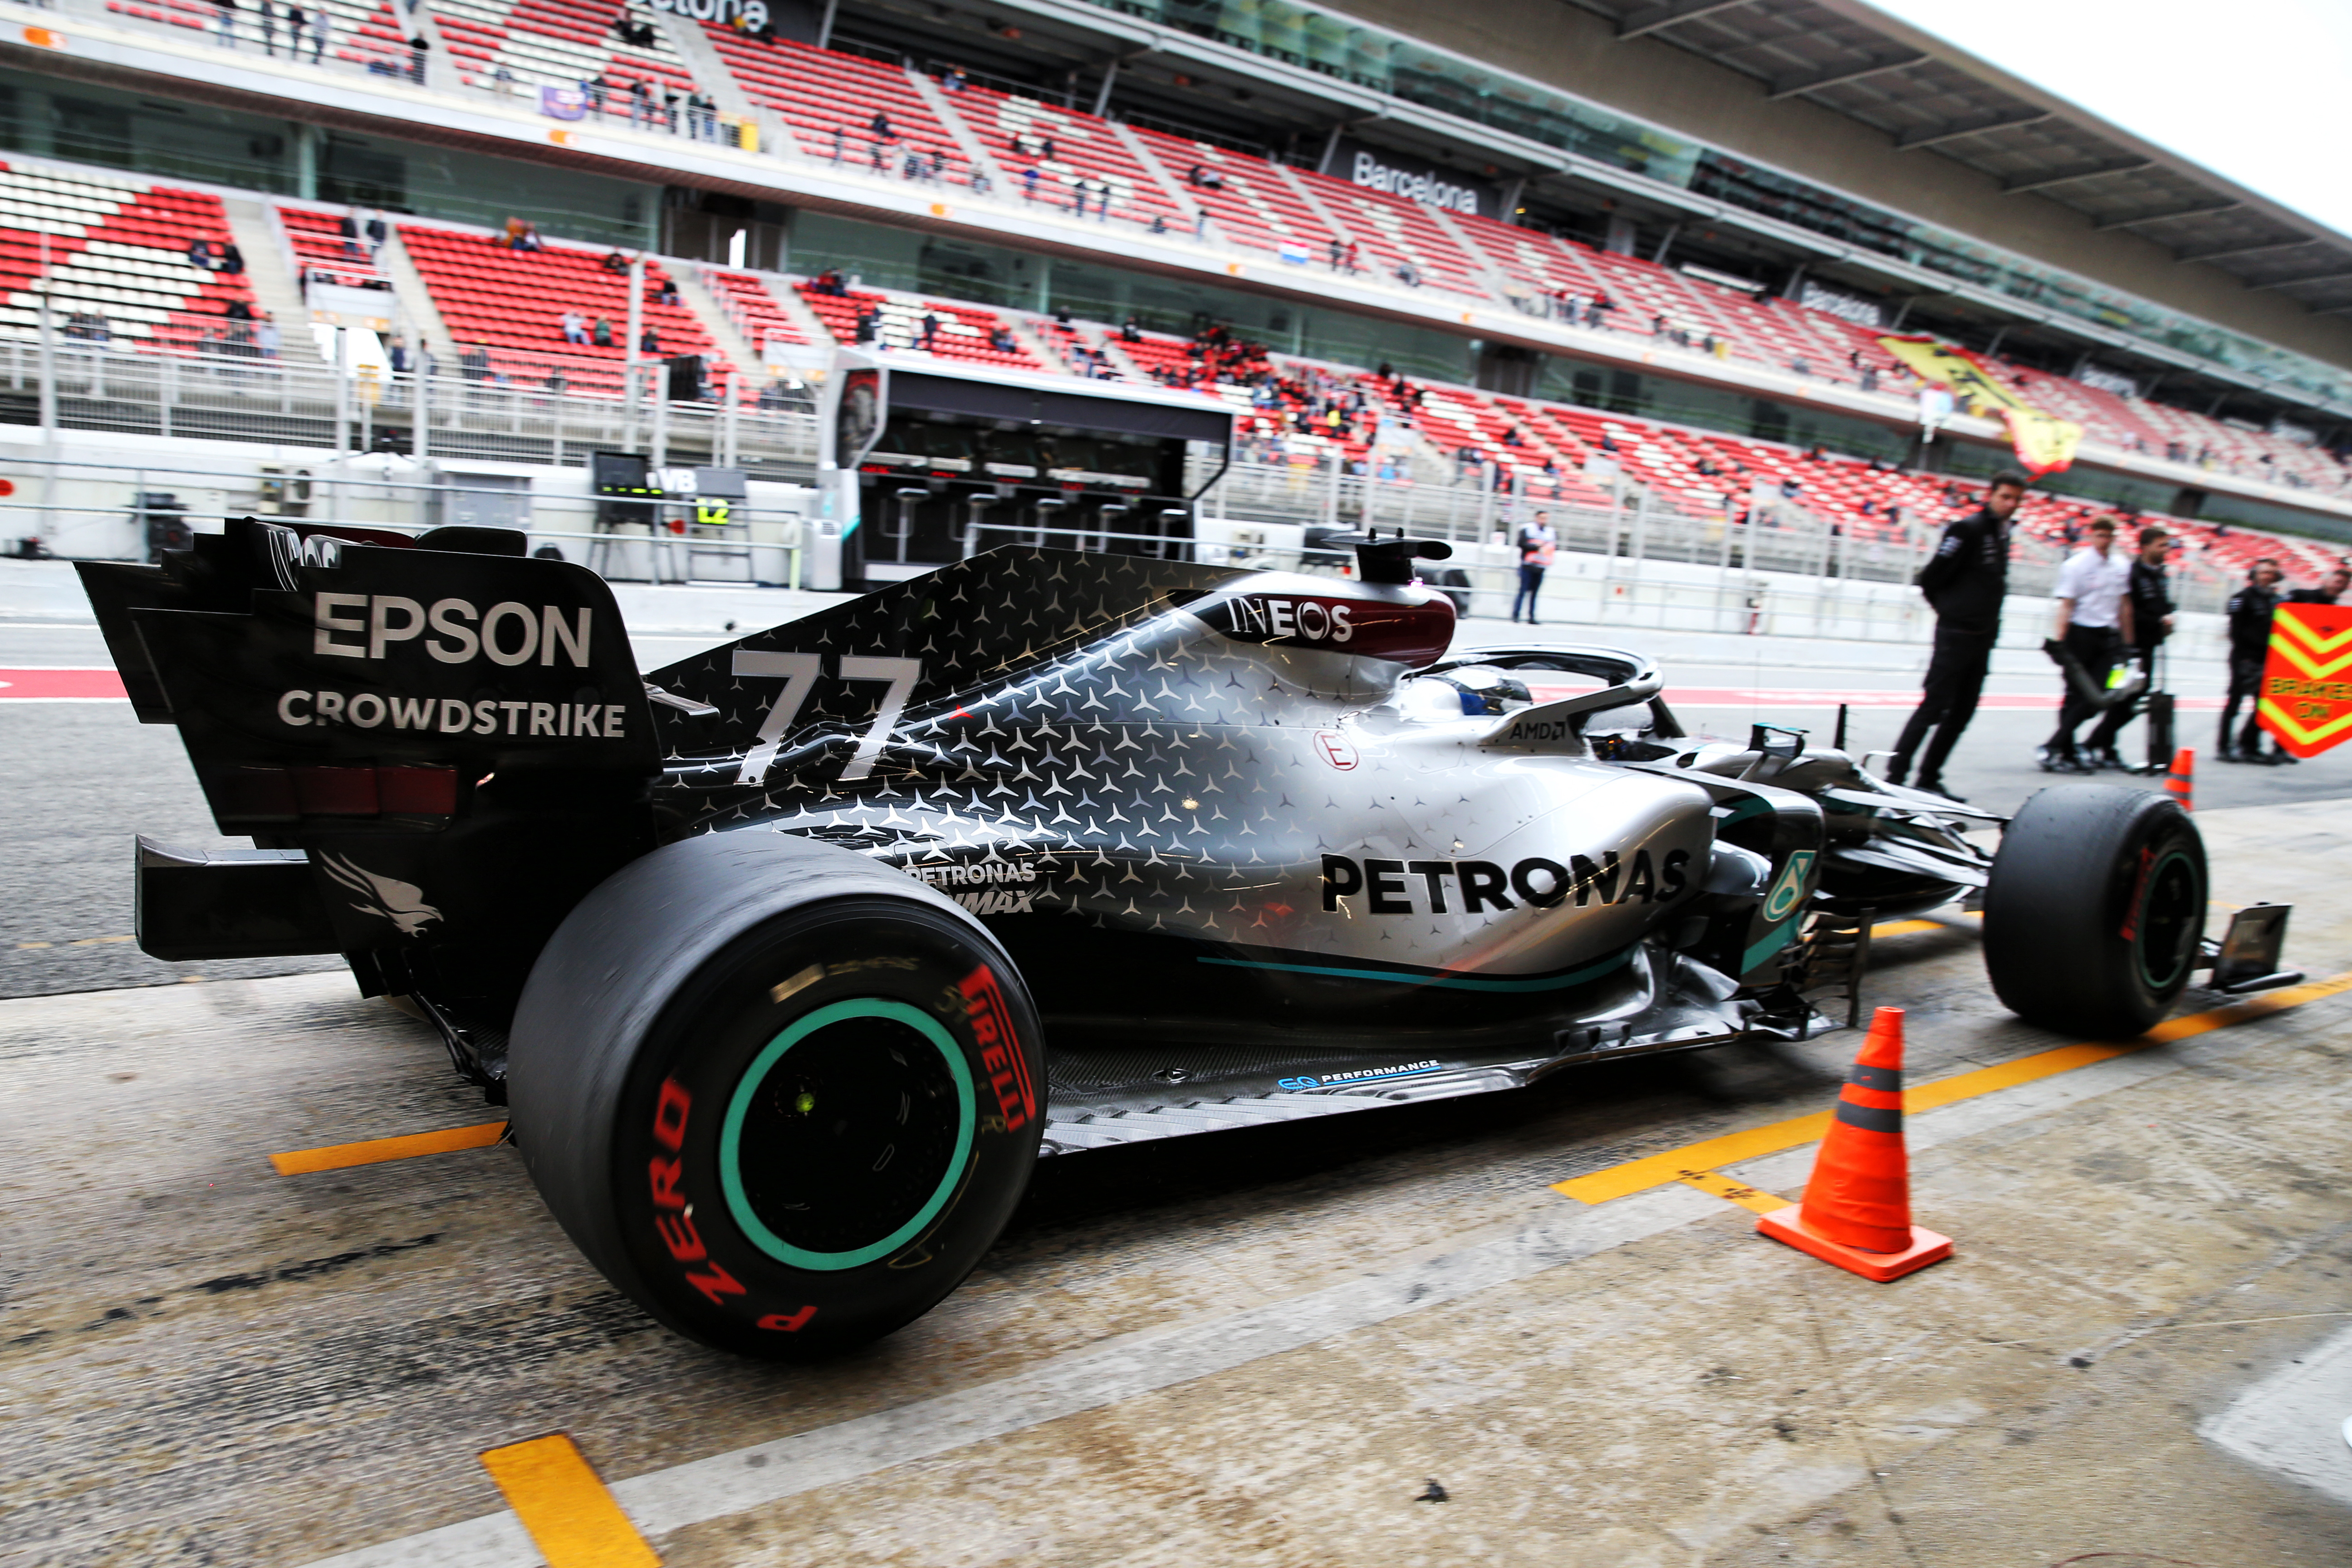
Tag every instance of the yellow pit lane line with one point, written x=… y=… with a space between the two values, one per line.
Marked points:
x=571 y=1514
x=1678 y=1164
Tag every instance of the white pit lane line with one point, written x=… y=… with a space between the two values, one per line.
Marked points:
x=2292 y=1422
x=1131 y=1364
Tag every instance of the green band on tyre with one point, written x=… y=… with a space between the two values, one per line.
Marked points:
x=730 y=1132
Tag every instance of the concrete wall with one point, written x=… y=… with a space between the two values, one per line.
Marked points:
x=1580 y=52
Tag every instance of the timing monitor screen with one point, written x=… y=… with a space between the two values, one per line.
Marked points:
x=620 y=474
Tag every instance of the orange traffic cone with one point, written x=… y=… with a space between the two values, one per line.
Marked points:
x=1858 y=1208
x=2181 y=784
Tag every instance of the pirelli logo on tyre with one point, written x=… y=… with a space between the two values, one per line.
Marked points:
x=1000 y=1049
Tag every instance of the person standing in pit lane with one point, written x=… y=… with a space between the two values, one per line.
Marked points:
x=2151 y=623
x=1965 y=582
x=1537 y=543
x=2331 y=590
x=2094 y=624
x=2249 y=616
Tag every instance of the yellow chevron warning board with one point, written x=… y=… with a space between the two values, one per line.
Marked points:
x=2307 y=683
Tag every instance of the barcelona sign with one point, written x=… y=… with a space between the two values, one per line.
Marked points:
x=2306 y=697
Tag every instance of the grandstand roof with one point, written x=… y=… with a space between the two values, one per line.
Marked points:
x=1926 y=94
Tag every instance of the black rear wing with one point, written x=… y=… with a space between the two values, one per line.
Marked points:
x=454 y=737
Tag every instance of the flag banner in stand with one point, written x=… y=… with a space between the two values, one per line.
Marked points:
x=2044 y=444
x=2307 y=682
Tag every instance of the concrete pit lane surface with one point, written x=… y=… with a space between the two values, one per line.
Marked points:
x=1259 y=1347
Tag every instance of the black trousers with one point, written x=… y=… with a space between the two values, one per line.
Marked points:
x=2103 y=733
x=2098 y=649
x=1956 y=678
x=2246 y=687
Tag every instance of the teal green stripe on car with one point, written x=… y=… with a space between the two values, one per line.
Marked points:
x=1767 y=947
x=1448 y=982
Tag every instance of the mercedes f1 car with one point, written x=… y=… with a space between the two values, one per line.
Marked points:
x=791 y=958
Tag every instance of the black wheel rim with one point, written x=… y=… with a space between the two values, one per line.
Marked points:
x=2167 y=922
x=847 y=1134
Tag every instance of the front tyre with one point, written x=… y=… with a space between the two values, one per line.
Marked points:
x=2095 y=909
x=783 y=1098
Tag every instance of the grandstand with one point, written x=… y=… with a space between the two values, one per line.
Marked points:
x=117 y=257
x=994 y=134
x=511 y=303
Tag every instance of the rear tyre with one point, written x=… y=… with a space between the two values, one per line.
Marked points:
x=782 y=1097
x=2095 y=909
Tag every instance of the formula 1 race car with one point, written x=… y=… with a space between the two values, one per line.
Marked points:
x=793 y=957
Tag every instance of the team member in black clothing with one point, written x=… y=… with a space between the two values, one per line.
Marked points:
x=1965 y=582
x=2151 y=623
x=2248 y=615
x=2329 y=592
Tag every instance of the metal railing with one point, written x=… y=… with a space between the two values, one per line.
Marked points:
x=441 y=413
x=673 y=543
x=1780 y=539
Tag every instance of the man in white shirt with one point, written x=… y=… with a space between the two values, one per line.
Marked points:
x=2094 y=622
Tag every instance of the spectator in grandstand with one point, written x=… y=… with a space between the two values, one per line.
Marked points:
x=930 y=332
x=225 y=11
x=377 y=233
x=663 y=290
x=474 y=363
x=1536 y=541
x=2248 y=615
x=575 y=327
x=322 y=23
x=1206 y=178
x=1000 y=338
x=265 y=337
x=395 y=353
x=1129 y=332
x=593 y=89
x=614 y=262
x=601 y=334
x=641 y=103
x=418 y=47
x=2093 y=623
x=649 y=341
x=1029 y=178
x=558 y=384
x=868 y=325
x=1964 y=582
x=954 y=81
x=2151 y=622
